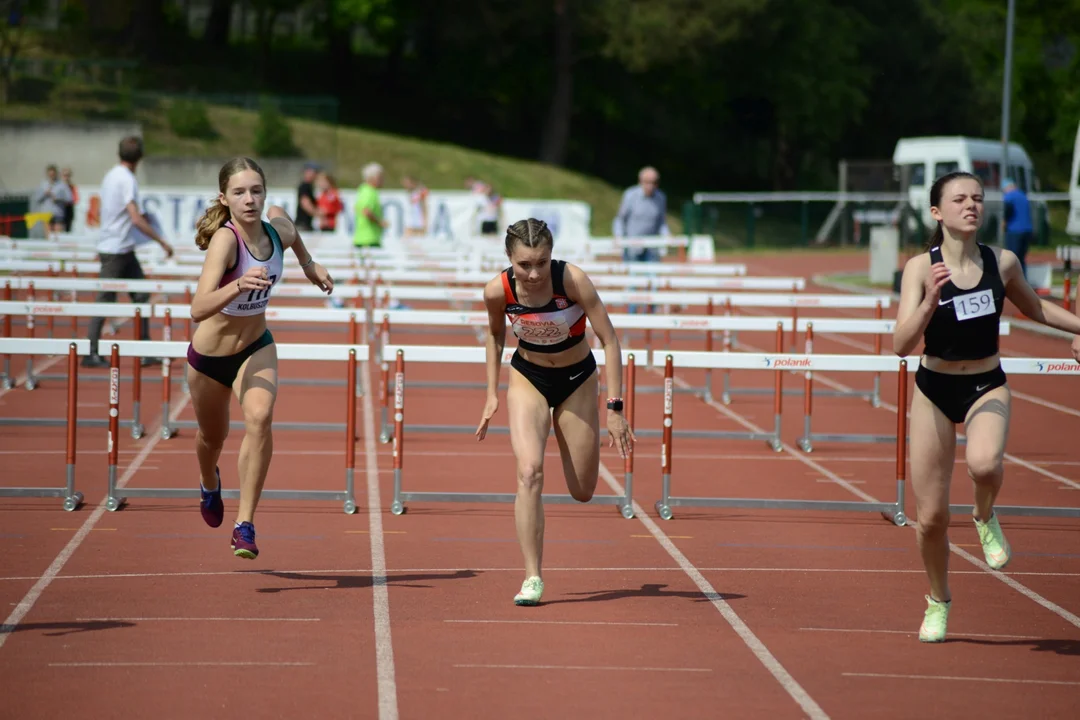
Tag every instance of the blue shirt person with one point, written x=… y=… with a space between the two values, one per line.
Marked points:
x=1019 y=229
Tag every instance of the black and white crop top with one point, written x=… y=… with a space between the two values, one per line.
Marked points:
x=965 y=323
x=555 y=327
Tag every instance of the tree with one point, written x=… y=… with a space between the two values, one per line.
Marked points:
x=13 y=37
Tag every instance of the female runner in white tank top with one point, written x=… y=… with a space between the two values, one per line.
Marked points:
x=232 y=351
x=553 y=380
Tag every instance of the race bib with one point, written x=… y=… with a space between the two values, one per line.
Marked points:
x=974 y=305
x=542 y=332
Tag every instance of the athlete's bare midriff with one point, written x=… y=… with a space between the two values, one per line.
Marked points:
x=222 y=335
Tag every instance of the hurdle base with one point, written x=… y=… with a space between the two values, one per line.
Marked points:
x=1024 y=510
x=72 y=501
x=239 y=425
x=806 y=442
x=119 y=500
x=664 y=506
x=622 y=503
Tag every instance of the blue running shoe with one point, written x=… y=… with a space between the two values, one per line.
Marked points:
x=243 y=541
x=210 y=505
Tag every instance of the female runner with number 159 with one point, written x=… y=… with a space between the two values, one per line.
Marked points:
x=952 y=297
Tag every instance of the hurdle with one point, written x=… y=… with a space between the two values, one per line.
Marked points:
x=389 y=319
x=72 y=348
x=847 y=326
x=892 y=511
x=1066 y=253
x=117 y=497
x=478 y=355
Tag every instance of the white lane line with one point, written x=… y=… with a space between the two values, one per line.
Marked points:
x=384 y=648
x=958 y=678
x=391 y=573
x=606 y=668
x=566 y=622
x=204 y=663
x=762 y=653
x=77 y=539
x=916 y=632
x=1022 y=589
x=198 y=619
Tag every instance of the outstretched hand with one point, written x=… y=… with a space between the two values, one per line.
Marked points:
x=319 y=277
x=620 y=434
x=490 y=408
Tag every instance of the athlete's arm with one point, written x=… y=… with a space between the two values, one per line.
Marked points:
x=495 y=302
x=290 y=238
x=581 y=290
x=917 y=302
x=1026 y=301
x=220 y=255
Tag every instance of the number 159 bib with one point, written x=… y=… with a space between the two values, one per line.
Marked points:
x=974 y=305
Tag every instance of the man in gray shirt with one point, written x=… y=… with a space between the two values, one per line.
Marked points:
x=642 y=213
x=54 y=197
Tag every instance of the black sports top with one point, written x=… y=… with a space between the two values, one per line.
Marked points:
x=555 y=327
x=965 y=323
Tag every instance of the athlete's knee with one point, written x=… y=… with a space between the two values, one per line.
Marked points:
x=213 y=437
x=582 y=492
x=530 y=475
x=582 y=487
x=258 y=415
x=984 y=466
x=933 y=522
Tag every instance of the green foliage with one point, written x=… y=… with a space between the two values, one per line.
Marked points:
x=188 y=119
x=273 y=135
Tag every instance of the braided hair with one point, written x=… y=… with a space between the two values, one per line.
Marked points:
x=531 y=233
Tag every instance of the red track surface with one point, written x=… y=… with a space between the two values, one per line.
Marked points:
x=145 y=612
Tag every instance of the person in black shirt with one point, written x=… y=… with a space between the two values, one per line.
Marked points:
x=306 y=208
x=952 y=297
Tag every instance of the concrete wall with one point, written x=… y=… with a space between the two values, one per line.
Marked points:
x=90 y=149
x=203 y=172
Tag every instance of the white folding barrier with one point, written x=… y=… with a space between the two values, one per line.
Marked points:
x=343 y=261
x=293 y=272
x=780 y=363
x=403 y=354
x=349 y=354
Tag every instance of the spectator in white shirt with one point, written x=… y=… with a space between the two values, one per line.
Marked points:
x=53 y=196
x=122 y=222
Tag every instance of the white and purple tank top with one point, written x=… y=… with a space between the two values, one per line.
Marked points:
x=253 y=302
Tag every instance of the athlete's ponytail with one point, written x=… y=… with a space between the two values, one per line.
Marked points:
x=936 y=191
x=213 y=219
x=217 y=214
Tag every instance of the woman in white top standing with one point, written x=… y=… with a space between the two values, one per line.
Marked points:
x=232 y=352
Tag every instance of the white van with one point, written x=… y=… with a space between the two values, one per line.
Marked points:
x=921 y=160
x=1073 y=226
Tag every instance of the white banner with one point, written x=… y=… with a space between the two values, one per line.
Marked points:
x=453 y=215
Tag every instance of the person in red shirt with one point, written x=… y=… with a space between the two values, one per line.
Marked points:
x=328 y=202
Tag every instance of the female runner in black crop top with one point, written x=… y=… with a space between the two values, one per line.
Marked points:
x=953 y=297
x=553 y=379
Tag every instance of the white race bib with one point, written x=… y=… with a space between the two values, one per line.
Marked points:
x=974 y=305
x=542 y=332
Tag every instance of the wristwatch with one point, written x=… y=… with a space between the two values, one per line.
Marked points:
x=615 y=404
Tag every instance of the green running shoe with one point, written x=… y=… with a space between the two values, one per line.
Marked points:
x=531 y=592
x=934 y=621
x=995 y=546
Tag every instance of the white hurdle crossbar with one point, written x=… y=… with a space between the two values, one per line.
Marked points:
x=349 y=354
x=779 y=363
x=402 y=354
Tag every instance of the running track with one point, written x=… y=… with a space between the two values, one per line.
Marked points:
x=740 y=613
